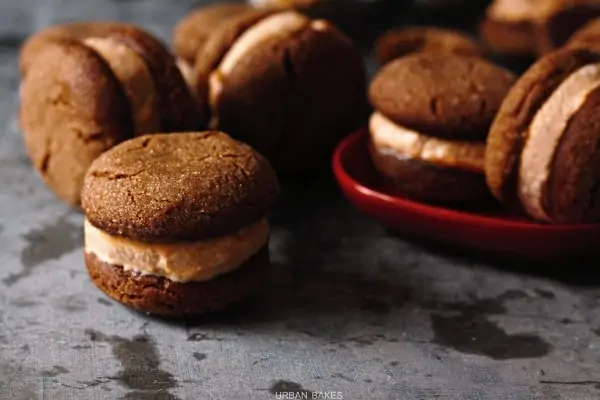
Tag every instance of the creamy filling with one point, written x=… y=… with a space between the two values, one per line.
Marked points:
x=136 y=80
x=283 y=24
x=545 y=133
x=180 y=262
x=403 y=142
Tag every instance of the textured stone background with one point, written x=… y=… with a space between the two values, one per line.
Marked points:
x=352 y=308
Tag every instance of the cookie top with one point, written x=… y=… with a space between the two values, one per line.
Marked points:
x=178 y=187
x=72 y=110
x=190 y=34
x=73 y=30
x=402 y=41
x=510 y=129
x=441 y=94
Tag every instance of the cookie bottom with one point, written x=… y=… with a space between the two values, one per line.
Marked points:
x=427 y=182
x=161 y=296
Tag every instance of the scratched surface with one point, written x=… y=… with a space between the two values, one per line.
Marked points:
x=351 y=309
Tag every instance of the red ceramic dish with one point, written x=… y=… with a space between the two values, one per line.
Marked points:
x=489 y=230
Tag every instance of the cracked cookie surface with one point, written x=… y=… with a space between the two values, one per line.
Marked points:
x=181 y=186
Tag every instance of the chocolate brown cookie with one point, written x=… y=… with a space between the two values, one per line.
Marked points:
x=289 y=86
x=73 y=30
x=176 y=223
x=524 y=28
x=72 y=110
x=403 y=41
x=441 y=94
x=427 y=134
x=81 y=97
x=542 y=152
x=190 y=34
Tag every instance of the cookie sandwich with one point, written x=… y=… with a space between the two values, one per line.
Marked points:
x=428 y=130
x=528 y=28
x=288 y=85
x=542 y=154
x=176 y=223
x=80 y=97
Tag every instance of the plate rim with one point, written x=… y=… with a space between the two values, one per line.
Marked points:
x=348 y=182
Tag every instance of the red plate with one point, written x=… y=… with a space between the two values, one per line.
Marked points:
x=490 y=230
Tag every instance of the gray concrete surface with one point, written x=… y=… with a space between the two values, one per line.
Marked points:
x=352 y=309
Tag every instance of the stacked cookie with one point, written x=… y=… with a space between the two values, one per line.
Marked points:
x=532 y=143
x=176 y=210
x=288 y=85
x=176 y=223
x=87 y=87
x=543 y=152
x=526 y=28
x=428 y=131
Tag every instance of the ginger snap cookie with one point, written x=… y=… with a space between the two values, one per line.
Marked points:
x=176 y=223
x=543 y=149
x=288 y=85
x=81 y=97
x=428 y=130
x=534 y=27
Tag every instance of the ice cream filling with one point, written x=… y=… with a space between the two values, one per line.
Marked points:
x=136 y=80
x=180 y=262
x=285 y=24
x=545 y=132
x=388 y=136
